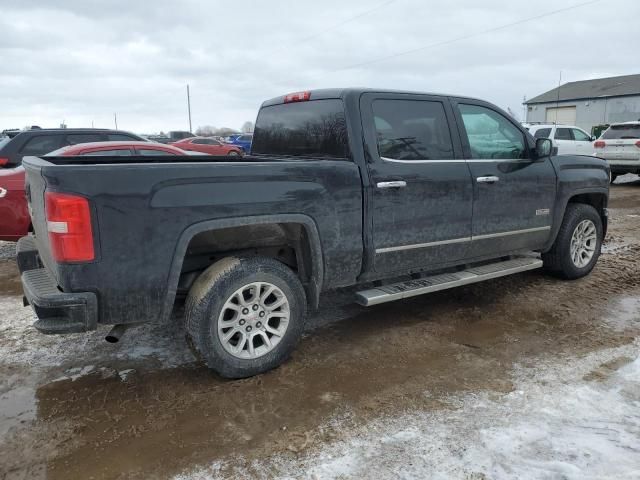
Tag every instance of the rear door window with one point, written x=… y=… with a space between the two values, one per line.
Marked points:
x=41 y=144
x=542 y=133
x=563 y=134
x=75 y=138
x=315 y=128
x=412 y=130
x=580 y=136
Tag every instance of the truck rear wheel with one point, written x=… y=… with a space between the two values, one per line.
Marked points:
x=245 y=315
x=577 y=246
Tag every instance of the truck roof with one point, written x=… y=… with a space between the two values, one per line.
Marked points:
x=325 y=93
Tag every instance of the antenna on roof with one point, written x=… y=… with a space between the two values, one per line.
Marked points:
x=558 y=97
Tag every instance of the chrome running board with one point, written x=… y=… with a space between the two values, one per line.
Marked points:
x=434 y=283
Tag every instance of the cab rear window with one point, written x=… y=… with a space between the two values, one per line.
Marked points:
x=620 y=132
x=314 y=128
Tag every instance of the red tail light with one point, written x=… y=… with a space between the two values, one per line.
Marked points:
x=599 y=144
x=3 y=161
x=638 y=144
x=69 y=226
x=297 y=97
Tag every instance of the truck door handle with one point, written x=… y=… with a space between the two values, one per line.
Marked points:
x=488 y=179
x=3 y=192
x=392 y=184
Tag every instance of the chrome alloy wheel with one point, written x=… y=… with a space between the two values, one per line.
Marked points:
x=253 y=320
x=583 y=243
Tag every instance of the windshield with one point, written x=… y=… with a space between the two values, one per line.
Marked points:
x=630 y=130
x=312 y=128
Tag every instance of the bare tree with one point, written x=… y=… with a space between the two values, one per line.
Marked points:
x=225 y=131
x=206 y=131
x=247 y=127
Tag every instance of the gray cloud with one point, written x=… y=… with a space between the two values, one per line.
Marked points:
x=81 y=61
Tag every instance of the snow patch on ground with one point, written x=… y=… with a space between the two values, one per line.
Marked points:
x=627 y=314
x=7 y=250
x=23 y=345
x=555 y=424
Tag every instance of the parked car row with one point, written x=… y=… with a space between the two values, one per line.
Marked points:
x=15 y=221
x=619 y=144
x=42 y=141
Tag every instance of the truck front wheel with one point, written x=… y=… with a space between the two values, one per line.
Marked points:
x=245 y=315
x=577 y=246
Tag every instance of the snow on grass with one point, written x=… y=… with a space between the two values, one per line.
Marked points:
x=555 y=424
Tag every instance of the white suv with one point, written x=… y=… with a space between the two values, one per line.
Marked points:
x=620 y=146
x=569 y=139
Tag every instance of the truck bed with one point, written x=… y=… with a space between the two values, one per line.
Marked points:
x=147 y=210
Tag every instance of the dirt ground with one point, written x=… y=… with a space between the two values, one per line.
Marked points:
x=520 y=377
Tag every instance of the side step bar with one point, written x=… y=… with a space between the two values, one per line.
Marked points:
x=434 y=283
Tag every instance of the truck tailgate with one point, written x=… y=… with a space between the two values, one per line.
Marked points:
x=35 y=187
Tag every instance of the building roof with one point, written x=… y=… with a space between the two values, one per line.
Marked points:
x=587 y=89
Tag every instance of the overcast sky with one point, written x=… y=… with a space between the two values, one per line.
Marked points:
x=81 y=60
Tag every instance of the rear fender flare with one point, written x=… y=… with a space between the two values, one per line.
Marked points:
x=317 y=271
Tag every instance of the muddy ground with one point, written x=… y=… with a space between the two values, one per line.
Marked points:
x=521 y=377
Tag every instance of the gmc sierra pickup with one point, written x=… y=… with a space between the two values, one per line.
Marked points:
x=400 y=193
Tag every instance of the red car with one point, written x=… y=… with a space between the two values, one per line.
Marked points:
x=14 y=216
x=15 y=221
x=208 y=146
x=116 y=148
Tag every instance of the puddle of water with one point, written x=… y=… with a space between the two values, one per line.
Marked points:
x=17 y=406
x=10 y=284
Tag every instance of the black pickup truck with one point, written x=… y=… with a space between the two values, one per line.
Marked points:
x=400 y=193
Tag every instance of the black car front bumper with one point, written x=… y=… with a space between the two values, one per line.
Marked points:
x=57 y=311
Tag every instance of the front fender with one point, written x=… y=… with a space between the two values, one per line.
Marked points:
x=579 y=176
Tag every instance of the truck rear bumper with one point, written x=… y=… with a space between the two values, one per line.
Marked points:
x=57 y=311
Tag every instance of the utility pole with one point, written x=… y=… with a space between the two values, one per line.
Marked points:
x=189 y=108
x=524 y=109
x=115 y=119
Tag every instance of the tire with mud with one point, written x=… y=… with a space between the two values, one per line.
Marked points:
x=245 y=316
x=577 y=247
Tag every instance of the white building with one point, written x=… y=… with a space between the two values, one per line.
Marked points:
x=588 y=102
